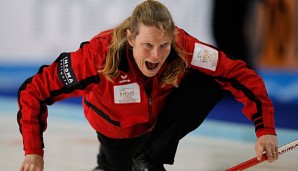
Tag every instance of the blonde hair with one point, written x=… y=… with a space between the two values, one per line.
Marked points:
x=149 y=13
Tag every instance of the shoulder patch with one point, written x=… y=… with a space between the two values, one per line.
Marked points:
x=65 y=71
x=205 y=57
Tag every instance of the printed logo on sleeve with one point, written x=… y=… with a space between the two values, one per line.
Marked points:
x=65 y=71
x=129 y=93
x=205 y=57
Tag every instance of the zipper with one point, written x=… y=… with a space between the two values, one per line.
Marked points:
x=149 y=100
x=150 y=109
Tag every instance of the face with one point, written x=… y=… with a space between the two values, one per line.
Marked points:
x=151 y=47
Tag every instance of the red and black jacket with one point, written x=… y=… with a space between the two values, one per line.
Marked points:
x=121 y=108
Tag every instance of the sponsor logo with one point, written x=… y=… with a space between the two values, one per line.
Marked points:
x=126 y=92
x=205 y=57
x=129 y=93
x=123 y=76
x=288 y=149
x=65 y=71
x=124 y=79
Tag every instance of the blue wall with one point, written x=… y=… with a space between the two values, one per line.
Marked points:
x=282 y=88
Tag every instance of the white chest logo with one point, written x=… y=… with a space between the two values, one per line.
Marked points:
x=129 y=93
x=124 y=79
x=205 y=57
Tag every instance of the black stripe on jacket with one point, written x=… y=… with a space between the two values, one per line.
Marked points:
x=257 y=118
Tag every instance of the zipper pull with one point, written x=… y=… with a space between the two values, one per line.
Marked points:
x=149 y=101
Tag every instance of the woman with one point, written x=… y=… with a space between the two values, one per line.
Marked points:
x=132 y=79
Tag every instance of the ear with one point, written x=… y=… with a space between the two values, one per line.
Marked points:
x=129 y=37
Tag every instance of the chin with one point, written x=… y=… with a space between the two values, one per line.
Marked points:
x=150 y=74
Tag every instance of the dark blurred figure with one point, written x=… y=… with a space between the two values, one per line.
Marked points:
x=260 y=32
x=229 y=27
x=274 y=35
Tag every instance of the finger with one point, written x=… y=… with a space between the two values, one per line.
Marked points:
x=273 y=150
x=34 y=168
x=22 y=168
x=275 y=153
x=259 y=151
x=269 y=156
x=269 y=152
x=25 y=167
x=276 y=149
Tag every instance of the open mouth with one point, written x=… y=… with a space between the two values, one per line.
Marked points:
x=151 y=66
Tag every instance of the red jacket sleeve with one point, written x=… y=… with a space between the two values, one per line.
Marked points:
x=245 y=84
x=248 y=88
x=71 y=75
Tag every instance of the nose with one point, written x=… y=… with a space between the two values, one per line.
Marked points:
x=156 y=53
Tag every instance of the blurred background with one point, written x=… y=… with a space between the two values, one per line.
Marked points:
x=261 y=32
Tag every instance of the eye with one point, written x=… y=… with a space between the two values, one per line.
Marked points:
x=148 y=45
x=165 y=45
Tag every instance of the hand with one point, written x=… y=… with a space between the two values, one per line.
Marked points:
x=268 y=144
x=32 y=162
